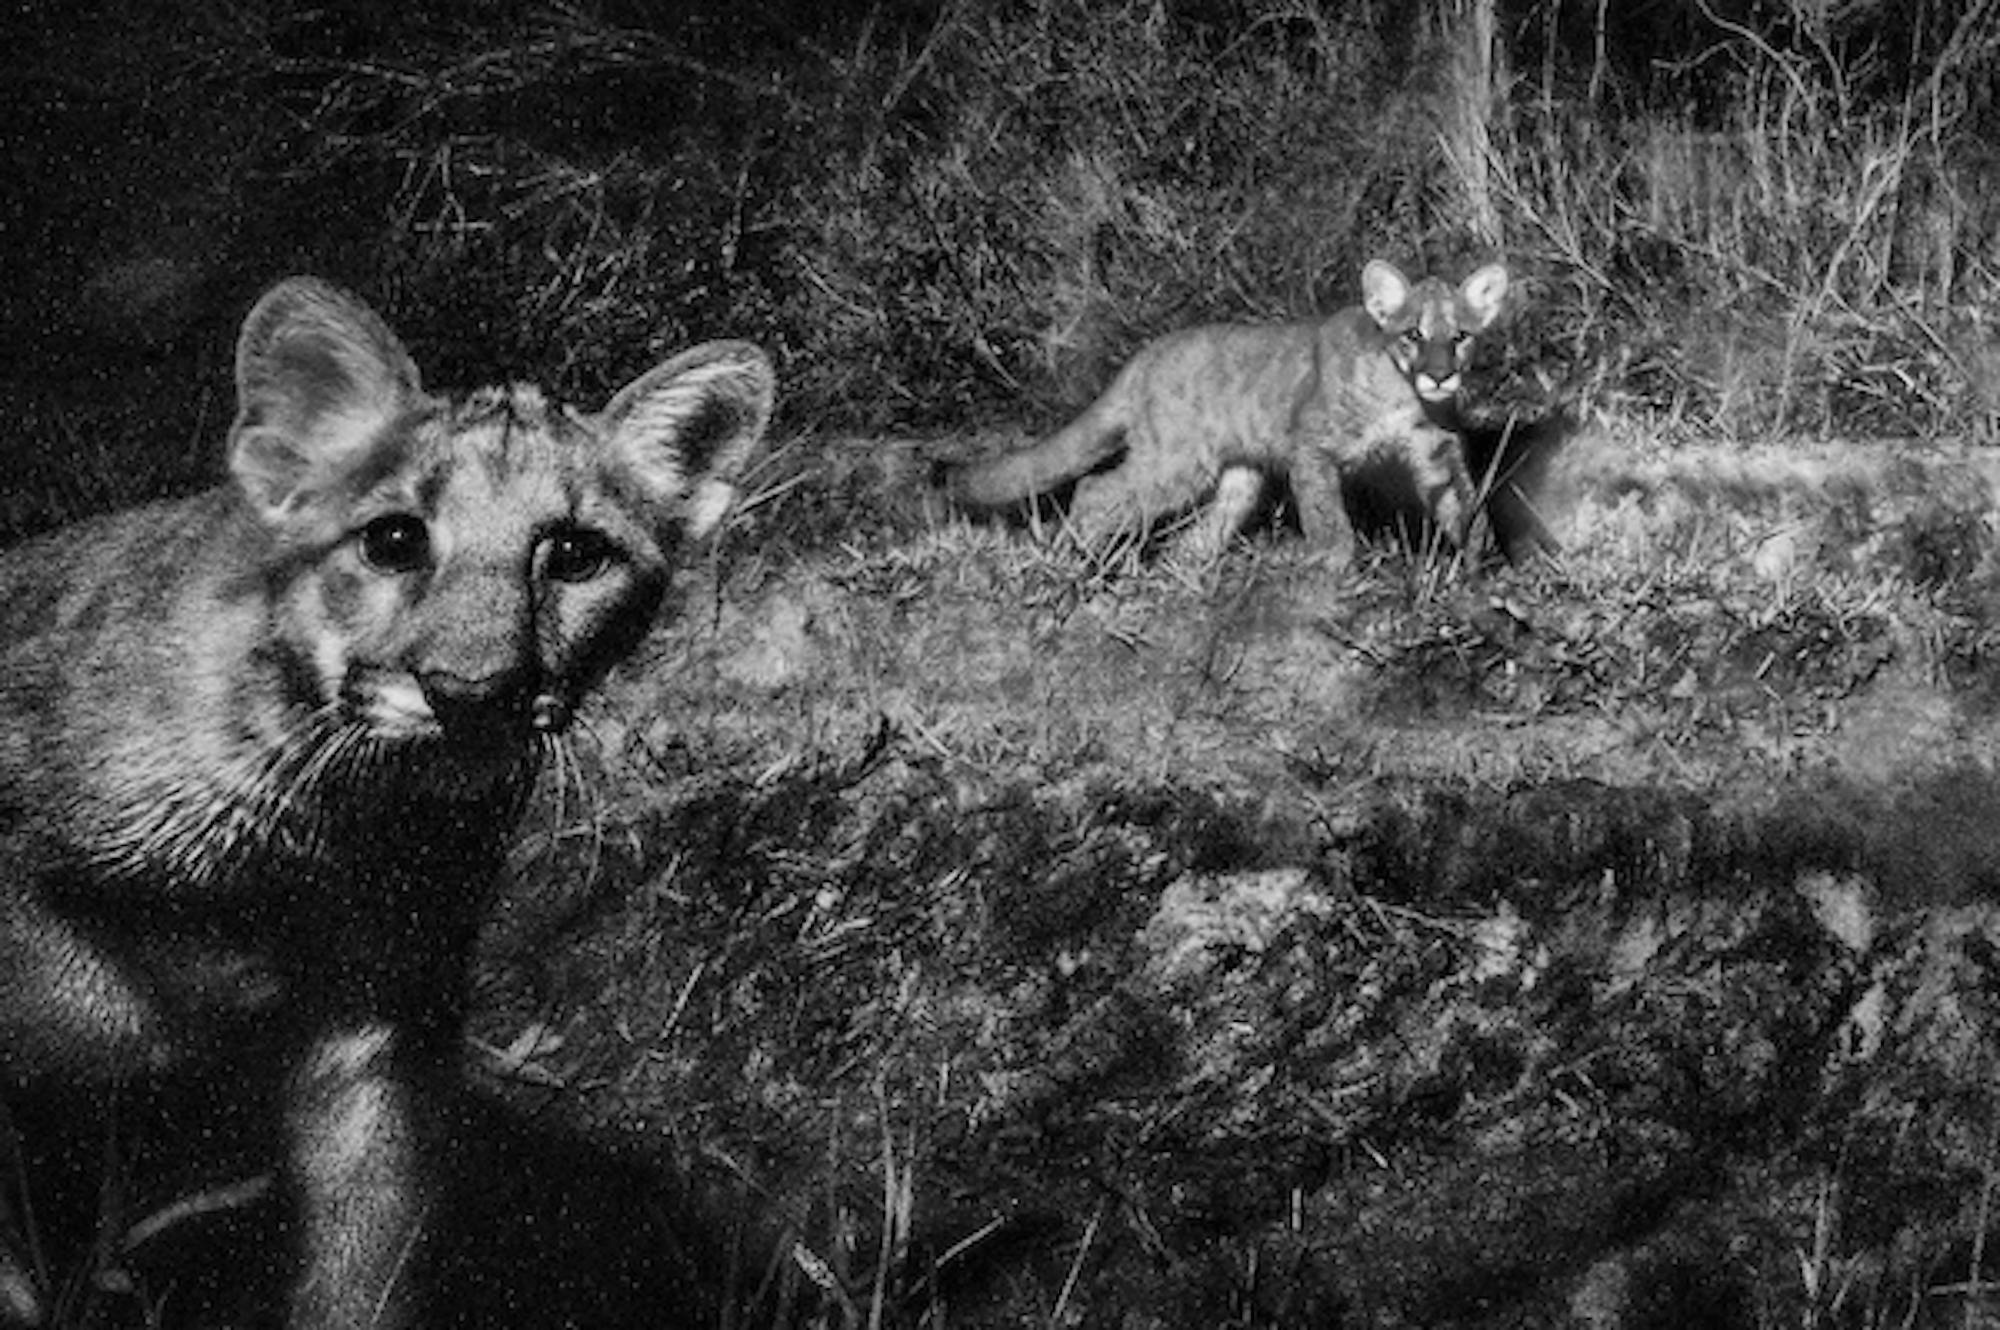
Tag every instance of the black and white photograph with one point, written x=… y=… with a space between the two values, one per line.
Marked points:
x=996 y=664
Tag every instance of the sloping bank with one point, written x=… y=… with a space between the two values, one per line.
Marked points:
x=1611 y=943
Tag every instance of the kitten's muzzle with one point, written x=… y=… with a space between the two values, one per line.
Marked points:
x=495 y=705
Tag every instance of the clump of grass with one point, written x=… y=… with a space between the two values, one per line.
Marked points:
x=1791 y=249
x=1067 y=180
x=938 y=218
x=970 y=213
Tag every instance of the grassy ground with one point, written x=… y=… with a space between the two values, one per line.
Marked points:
x=1422 y=942
x=1029 y=939
x=1025 y=937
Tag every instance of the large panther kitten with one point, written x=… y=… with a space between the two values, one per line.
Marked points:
x=262 y=750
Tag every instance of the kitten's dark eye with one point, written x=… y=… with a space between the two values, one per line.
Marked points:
x=398 y=543
x=576 y=555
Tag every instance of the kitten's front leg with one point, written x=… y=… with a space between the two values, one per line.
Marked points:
x=1322 y=504
x=354 y=1141
x=1436 y=459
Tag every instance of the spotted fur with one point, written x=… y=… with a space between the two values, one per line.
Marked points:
x=1205 y=415
x=262 y=749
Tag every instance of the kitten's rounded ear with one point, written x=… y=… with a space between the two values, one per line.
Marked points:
x=688 y=426
x=318 y=378
x=1384 y=290
x=1482 y=293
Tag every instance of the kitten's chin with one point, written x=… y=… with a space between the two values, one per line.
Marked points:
x=469 y=767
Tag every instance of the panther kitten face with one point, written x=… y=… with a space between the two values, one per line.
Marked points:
x=1430 y=326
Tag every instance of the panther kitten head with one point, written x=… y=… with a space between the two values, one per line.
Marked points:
x=454 y=574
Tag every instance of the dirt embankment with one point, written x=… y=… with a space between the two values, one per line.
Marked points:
x=1607 y=942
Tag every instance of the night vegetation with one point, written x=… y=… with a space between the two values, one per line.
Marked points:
x=1745 y=218
x=1603 y=938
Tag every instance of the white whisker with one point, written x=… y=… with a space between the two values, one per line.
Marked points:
x=559 y=765
x=253 y=850
x=589 y=798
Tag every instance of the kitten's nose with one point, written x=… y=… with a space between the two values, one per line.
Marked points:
x=465 y=707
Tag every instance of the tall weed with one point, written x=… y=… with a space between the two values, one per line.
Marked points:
x=1071 y=178
x=1746 y=219
x=1797 y=252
